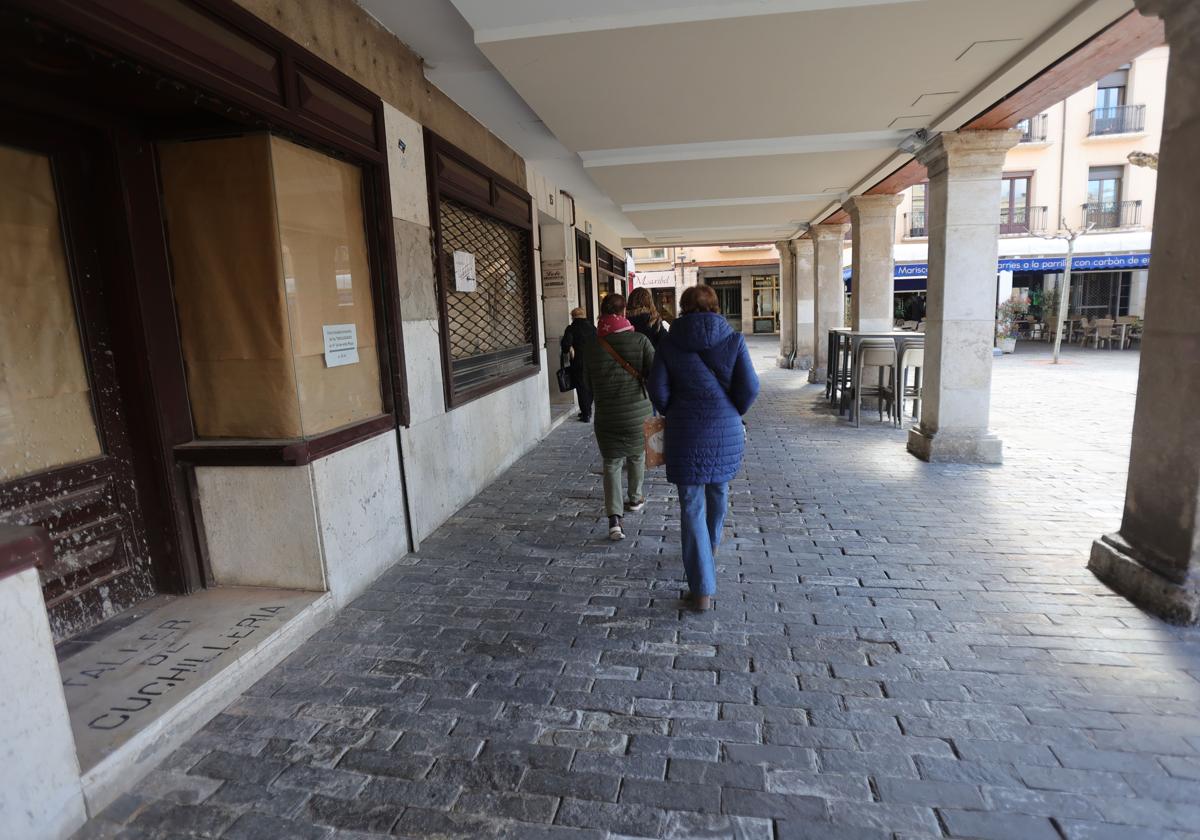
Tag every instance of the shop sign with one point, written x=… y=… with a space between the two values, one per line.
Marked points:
x=464 y=271
x=655 y=279
x=341 y=344
x=553 y=275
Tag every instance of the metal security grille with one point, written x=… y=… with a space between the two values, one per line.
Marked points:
x=490 y=330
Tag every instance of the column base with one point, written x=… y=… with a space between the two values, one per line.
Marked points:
x=945 y=447
x=783 y=361
x=817 y=374
x=1115 y=562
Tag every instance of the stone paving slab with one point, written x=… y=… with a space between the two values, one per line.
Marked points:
x=898 y=650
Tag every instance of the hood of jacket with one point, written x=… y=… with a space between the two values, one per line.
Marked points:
x=699 y=331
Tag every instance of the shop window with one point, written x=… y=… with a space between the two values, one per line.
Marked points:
x=583 y=259
x=766 y=303
x=273 y=287
x=46 y=417
x=610 y=272
x=483 y=231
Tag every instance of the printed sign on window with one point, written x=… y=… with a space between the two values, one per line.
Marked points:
x=341 y=344
x=464 y=271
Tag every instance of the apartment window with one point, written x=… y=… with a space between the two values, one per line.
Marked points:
x=657 y=254
x=1103 y=208
x=1014 y=202
x=1112 y=114
x=487 y=315
x=916 y=217
x=610 y=272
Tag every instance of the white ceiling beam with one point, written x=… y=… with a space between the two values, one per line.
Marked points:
x=595 y=17
x=750 y=200
x=767 y=146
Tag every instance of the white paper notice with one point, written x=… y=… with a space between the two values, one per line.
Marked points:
x=464 y=271
x=341 y=344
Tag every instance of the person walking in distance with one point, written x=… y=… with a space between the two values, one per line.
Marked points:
x=616 y=365
x=643 y=314
x=703 y=382
x=578 y=335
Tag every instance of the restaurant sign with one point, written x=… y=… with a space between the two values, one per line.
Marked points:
x=1082 y=262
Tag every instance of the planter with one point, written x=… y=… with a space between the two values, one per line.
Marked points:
x=1007 y=345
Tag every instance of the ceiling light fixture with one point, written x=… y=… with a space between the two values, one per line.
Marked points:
x=915 y=141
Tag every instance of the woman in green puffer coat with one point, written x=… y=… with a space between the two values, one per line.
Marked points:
x=616 y=366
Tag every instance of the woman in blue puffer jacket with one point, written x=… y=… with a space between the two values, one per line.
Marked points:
x=703 y=382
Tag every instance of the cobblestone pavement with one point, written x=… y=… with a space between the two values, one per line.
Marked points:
x=897 y=650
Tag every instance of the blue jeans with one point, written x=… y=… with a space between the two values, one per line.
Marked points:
x=702 y=508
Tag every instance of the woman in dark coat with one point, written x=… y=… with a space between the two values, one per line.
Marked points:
x=621 y=406
x=703 y=382
x=578 y=335
x=643 y=314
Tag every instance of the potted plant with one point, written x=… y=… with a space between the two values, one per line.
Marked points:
x=1007 y=315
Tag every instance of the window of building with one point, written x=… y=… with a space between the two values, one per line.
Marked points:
x=583 y=260
x=1103 y=208
x=916 y=215
x=610 y=272
x=270 y=264
x=489 y=335
x=1110 y=90
x=657 y=254
x=766 y=303
x=1014 y=202
x=1113 y=114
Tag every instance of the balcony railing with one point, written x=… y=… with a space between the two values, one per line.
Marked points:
x=1034 y=129
x=1112 y=214
x=1021 y=220
x=1123 y=119
x=914 y=223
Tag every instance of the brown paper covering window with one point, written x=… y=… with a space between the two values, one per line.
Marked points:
x=45 y=405
x=268 y=244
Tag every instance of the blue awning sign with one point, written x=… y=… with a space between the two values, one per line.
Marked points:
x=1082 y=262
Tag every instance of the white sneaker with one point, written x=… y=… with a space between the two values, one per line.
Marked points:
x=635 y=507
x=614 y=529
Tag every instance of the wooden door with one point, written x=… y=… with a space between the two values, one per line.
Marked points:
x=66 y=460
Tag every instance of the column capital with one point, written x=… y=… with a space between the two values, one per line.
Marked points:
x=825 y=233
x=871 y=206
x=963 y=150
x=1181 y=18
x=785 y=248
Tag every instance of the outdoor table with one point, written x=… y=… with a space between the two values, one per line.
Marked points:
x=844 y=340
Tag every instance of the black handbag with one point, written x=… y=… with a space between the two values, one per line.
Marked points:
x=565 y=382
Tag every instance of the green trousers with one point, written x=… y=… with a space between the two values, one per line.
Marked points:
x=613 y=501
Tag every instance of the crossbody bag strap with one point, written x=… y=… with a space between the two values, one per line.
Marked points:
x=621 y=361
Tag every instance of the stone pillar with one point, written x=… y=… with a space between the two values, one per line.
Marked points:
x=787 y=302
x=830 y=291
x=872 y=287
x=960 y=318
x=805 y=304
x=1154 y=559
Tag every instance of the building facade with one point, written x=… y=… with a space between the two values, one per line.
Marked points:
x=1071 y=170
x=274 y=309
x=744 y=276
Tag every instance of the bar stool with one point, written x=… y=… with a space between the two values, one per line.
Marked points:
x=878 y=353
x=910 y=353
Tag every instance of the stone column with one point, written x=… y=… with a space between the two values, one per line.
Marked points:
x=960 y=318
x=1154 y=559
x=787 y=302
x=872 y=287
x=830 y=291
x=805 y=304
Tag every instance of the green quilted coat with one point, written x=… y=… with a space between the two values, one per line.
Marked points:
x=621 y=403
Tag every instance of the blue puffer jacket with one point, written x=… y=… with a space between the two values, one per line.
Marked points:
x=703 y=382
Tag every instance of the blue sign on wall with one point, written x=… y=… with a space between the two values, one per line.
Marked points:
x=910 y=277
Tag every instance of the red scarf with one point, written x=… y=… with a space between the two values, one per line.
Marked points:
x=610 y=324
